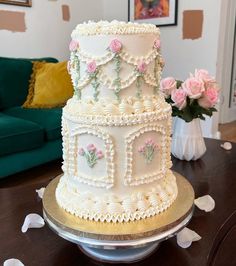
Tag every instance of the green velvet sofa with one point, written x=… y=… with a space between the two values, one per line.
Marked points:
x=28 y=137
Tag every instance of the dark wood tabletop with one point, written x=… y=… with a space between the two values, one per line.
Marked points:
x=213 y=174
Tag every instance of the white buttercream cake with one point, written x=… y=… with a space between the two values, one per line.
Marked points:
x=116 y=128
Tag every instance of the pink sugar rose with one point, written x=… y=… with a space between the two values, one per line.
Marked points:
x=178 y=96
x=91 y=67
x=193 y=87
x=167 y=85
x=157 y=44
x=74 y=45
x=91 y=147
x=115 y=46
x=203 y=75
x=81 y=152
x=209 y=98
x=99 y=154
x=142 y=67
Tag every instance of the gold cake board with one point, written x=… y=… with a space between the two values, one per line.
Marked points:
x=103 y=235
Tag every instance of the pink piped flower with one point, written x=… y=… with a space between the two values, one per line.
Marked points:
x=178 y=96
x=99 y=154
x=149 y=142
x=209 y=98
x=91 y=148
x=73 y=46
x=142 y=67
x=157 y=44
x=91 y=67
x=141 y=149
x=115 y=46
x=81 y=152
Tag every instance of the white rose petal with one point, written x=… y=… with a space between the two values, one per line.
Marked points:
x=227 y=146
x=40 y=192
x=186 y=237
x=32 y=220
x=205 y=203
x=13 y=262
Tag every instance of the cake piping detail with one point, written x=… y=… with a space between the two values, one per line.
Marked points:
x=148 y=150
x=165 y=162
x=111 y=208
x=70 y=149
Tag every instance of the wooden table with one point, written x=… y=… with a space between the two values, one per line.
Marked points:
x=214 y=174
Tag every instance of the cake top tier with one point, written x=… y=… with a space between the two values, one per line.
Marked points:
x=112 y=28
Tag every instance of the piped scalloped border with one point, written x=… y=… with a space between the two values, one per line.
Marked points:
x=119 y=120
x=156 y=201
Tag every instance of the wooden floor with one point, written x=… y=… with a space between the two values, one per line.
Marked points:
x=50 y=170
x=228 y=131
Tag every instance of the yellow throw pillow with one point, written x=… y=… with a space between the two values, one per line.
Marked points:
x=50 y=85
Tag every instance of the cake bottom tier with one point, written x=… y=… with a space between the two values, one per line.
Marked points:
x=111 y=207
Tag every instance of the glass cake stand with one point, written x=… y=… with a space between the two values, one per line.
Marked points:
x=120 y=242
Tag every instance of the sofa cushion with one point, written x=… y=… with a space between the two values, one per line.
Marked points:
x=14 y=79
x=48 y=119
x=18 y=135
x=50 y=85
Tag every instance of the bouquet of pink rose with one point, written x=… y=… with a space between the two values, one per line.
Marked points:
x=192 y=98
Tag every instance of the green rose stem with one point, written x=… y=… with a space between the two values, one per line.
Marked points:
x=117 y=81
x=155 y=90
x=95 y=85
x=77 y=89
x=138 y=86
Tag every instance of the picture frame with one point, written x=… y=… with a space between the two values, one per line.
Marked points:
x=27 y=3
x=158 y=12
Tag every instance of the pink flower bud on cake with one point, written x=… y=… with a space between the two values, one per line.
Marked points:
x=157 y=44
x=141 y=149
x=142 y=67
x=178 y=96
x=167 y=85
x=115 y=46
x=193 y=87
x=99 y=154
x=91 y=147
x=91 y=67
x=81 y=152
x=209 y=98
x=74 y=45
x=203 y=75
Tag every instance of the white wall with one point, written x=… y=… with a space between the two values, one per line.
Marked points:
x=47 y=34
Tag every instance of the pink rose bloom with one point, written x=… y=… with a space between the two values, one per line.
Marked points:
x=149 y=142
x=91 y=67
x=193 y=87
x=142 y=67
x=74 y=45
x=167 y=85
x=178 y=96
x=157 y=44
x=141 y=149
x=209 y=99
x=99 y=154
x=91 y=147
x=81 y=152
x=115 y=46
x=203 y=75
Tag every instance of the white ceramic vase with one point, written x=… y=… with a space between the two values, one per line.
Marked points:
x=187 y=140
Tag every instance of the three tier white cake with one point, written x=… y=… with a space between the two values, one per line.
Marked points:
x=116 y=128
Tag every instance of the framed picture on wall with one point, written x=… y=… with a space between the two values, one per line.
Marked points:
x=158 y=12
x=17 y=2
